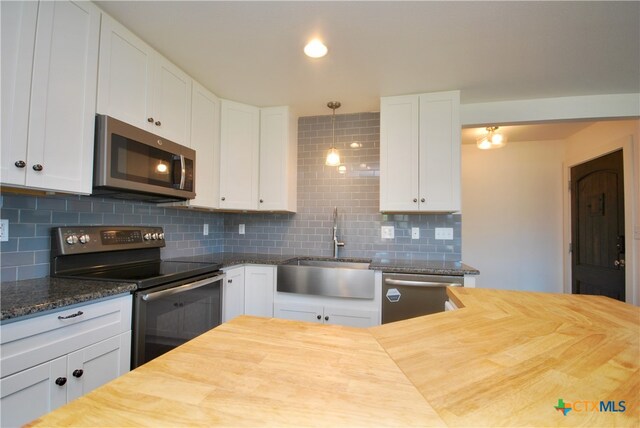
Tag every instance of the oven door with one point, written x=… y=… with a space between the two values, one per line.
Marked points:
x=133 y=160
x=167 y=316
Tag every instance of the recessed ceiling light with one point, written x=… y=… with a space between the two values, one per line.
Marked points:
x=355 y=145
x=315 y=49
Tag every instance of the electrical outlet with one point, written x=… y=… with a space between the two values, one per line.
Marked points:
x=241 y=229
x=415 y=233
x=444 y=233
x=386 y=232
x=4 y=230
x=205 y=229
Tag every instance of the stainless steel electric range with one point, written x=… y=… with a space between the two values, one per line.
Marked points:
x=175 y=300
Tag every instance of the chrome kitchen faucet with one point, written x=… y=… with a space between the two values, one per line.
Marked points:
x=336 y=243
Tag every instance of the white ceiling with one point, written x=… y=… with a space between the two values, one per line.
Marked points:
x=252 y=51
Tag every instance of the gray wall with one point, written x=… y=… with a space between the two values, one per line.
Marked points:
x=26 y=254
x=356 y=193
x=308 y=232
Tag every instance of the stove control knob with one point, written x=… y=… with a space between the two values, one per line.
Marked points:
x=84 y=239
x=161 y=236
x=154 y=236
x=72 y=239
x=147 y=236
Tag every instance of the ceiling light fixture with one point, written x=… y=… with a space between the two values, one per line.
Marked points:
x=492 y=139
x=315 y=49
x=333 y=157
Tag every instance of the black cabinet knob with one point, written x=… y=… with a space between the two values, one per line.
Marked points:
x=326 y=318
x=78 y=373
x=422 y=200
x=261 y=201
x=37 y=167
x=158 y=123
x=61 y=381
x=319 y=317
x=150 y=119
x=20 y=163
x=223 y=198
x=230 y=281
x=415 y=199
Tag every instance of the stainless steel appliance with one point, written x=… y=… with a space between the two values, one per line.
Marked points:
x=131 y=163
x=408 y=295
x=175 y=301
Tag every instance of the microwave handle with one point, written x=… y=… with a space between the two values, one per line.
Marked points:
x=183 y=172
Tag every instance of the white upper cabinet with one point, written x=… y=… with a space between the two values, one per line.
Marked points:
x=239 y=155
x=258 y=152
x=278 y=160
x=139 y=86
x=49 y=67
x=420 y=153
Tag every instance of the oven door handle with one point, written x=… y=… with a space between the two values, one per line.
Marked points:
x=148 y=297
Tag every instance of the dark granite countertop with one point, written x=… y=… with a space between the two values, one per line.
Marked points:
x=428 y=267
x=31 y=296
x=379 y=263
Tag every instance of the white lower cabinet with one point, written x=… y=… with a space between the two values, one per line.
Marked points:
x=347 y=316
x=248 y=290
x=49 y=360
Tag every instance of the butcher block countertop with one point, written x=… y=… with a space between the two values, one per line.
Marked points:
x=505 y=359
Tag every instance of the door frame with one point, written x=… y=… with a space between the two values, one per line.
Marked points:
x=626 y=144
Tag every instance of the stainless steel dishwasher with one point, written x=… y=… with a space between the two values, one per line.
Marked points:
x=409 y=295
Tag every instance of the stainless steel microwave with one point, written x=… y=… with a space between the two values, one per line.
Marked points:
x=134 y=164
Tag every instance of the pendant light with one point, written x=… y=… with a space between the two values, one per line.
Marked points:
x=333 y=157
x=492 y=140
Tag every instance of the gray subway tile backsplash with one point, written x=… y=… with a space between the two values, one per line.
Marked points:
x=307 y=233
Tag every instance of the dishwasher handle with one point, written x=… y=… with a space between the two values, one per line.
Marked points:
x=181 y=289
x=420 y=283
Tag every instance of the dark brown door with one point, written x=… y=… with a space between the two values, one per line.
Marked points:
x=597 y=227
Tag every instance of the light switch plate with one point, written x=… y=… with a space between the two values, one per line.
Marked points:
x=4 y=230
x=241 y=229
x=415 y=233
x=444 y=233
x=205 y=229
x=386 y=232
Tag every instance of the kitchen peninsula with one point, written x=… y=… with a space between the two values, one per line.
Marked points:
x=507 y=358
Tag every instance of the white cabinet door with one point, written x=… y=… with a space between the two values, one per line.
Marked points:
x=59 y=150
x=298 y=311
x=440 y=151
x=97 y=364
x=259 y=286
x=205 y=140
x=399 y=153
x=172 y=102
x=278 y=153
x=139 y=86
x=239 y=156
x=350 y=317
x=31 y=393
x=233 y=294
x=18 y=39
x=420 y=153
x=125 y=76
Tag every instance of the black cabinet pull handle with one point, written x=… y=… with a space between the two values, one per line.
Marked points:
x=20 y=163
x=319 y=317
x=78 y=373
x=61 y=381
x=37 y=167
x=77 y=314
x=326 y=318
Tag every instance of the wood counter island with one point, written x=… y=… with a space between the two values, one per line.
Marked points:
x=505 y=359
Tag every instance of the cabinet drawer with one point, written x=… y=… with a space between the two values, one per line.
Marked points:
x=37 y=340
